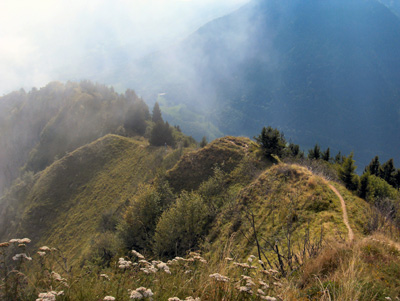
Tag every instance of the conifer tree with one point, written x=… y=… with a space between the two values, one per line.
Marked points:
x=157 y=117
x=364 y=183
x=314 y=153
x=374 y=167
x=161 y=135
x=387 y=172
x=294 y=150
x=339 y=158
x=203 y=142
x=272 y=142
x=326 y=155
x=347 y=173
x=397 y=178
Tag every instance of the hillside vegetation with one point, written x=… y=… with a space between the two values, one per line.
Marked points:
x=149 y=213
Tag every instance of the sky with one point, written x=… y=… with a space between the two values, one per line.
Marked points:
x=46 y=40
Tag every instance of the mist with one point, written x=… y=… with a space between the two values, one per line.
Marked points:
x=73 y=40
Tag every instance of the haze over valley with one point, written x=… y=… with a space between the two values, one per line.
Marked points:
x=189 y=150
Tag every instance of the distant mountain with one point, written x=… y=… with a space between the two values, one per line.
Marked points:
x=321 y=71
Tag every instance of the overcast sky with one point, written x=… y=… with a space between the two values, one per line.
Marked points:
x=45 y=40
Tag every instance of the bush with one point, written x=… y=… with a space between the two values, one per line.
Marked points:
x=137 y=228
x=182 y=226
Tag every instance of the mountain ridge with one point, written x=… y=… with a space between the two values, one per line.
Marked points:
x=316 y=70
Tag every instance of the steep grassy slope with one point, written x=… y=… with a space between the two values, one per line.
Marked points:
x=196 y=167
x=286 y=199
x=244 y=198
x=41 y=126
x=67 y=200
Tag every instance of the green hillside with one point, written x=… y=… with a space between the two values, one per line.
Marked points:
x=67 y=200
x=272 y=229
x=235 y=219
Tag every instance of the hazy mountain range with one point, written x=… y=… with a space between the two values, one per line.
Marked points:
x=322 y=71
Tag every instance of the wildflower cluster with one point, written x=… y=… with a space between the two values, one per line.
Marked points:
x=141 y=293
x=254 y=279
x=124 y=264
x=219 y=277
x=49 y=296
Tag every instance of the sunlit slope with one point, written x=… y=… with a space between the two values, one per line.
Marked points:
x=66 y=203
x=286 y=198
x=196 y=167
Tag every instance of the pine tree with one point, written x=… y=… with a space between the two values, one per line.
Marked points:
x=373 y=167
x=203 y=142
x=339 y=158
x=364 y=185
x=294 y=150
x=314 y=153
x=272 y=142
x=347 y=173
x=387 y=172
x=161 y=135
x=397 y=178
x=157 y=117
x=326 y=155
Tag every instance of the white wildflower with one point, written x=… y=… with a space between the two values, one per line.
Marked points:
x=105 y=276
x=144 y=262
x=137 y=254
x=192 y=299
x=153 y=269
x=136 y=295
x=141 y=293
x=57 y=277
x=109 y=298
x=218 y=277
x=24 y=241
x=163 y=266
x=123 y=264
x=49 y=296
x=4 y=244
x=250 y=259
x=21 y=256
x=229 y=259
x=44 y=249
x=174 y=299
x=245 y=289
x=41 y=254
x=260 y=292
x=244 y=265
x=278 y=284
x=263 y=284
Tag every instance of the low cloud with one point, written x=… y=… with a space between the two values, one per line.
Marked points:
x=61 y=40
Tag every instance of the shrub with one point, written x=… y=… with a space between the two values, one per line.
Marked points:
x=182 y=226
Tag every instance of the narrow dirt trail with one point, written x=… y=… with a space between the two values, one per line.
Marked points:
x=344 y=209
